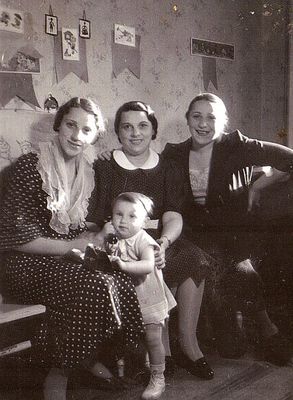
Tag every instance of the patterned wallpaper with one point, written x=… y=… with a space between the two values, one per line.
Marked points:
x=170 y=76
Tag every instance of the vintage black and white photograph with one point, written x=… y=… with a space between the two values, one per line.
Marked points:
x=146 y=200
x=51 y=25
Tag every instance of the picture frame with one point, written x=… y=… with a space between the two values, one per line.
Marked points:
x=84 y=28
x=51 y=25
x=11 y=20
x=209 y=48
x=70 y=44
x=124 y=35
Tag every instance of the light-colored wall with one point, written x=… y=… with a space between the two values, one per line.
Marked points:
x=170 y=76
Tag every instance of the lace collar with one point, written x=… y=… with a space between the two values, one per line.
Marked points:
x=121 y=159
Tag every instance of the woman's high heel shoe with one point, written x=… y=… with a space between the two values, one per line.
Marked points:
x=199 y=368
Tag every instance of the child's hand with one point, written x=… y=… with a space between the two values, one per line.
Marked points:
x=75 y=255
x=117 y=262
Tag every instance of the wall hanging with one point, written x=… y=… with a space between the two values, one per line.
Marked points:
x=210 y=51
x=84 y=27
x=11 y=20
x=51 y=25
x=125 y=50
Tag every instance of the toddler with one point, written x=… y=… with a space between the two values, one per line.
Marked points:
x=135 y=256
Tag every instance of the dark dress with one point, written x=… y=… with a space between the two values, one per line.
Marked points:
x=223 y=227
x=80 y=315
x=163 y=184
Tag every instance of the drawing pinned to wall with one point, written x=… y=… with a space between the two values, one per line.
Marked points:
x=11 y=20
x=24 y=60
x=84 y=27
x=70 y=44
x=51 y=25
x=124 y=35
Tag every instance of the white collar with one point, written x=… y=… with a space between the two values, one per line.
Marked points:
x=123 y=161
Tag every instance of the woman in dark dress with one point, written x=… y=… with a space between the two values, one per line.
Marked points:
x=136 y=167
x=220 y=195
x=42 y=220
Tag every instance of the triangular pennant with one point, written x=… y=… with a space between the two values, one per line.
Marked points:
x=64 y=67
x=126 y=57
x=209 y=72
x=20 y=85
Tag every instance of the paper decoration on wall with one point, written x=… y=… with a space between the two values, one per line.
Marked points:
x=25 y=146
x=124 y=35
x=64 y=66
x=17 y=85
x=209 y=72
x=11 y=20
x=84 y=27
x=210 y=51
x=24 y=60
x=126 y=57
x=51 y=25
x=70 y=44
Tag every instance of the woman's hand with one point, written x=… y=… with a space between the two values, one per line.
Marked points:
x=105 y=155
x=160 y=254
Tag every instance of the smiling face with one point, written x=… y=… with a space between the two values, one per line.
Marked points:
x=135 y=133
x=206 y=121
x=77 y=131
x=128 y=218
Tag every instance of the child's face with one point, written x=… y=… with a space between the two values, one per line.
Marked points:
x=128 y=218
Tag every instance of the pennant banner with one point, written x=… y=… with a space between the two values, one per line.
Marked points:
x=20 y=85
x=209 y=72
x=64 y=67
x=126 y=57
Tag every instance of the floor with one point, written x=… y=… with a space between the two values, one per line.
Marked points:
x=243 y=379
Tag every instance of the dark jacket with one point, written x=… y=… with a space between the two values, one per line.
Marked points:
x=231 y=171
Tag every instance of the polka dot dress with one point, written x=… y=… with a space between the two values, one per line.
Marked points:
x=84 y=308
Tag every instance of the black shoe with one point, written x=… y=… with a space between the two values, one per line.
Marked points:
x=199 y=368
x=276 y=349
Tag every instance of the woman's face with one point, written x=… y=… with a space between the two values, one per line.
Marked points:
x=135 y=133
x=76 y=132
x=206 y=122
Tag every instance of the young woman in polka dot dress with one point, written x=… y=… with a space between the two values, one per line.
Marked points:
x=42 y=219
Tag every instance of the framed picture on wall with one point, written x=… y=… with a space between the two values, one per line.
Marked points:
x=11 y=20
x=84 y=29
x=51 y=25
x=70 y=44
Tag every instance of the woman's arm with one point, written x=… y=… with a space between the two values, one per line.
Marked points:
x=57 y=247
x=137 y=268
x=172 y=224
x=263 y=182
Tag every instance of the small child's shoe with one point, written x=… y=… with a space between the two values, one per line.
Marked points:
x=156 y=386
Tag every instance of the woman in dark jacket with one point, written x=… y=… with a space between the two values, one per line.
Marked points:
x=220 y=197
